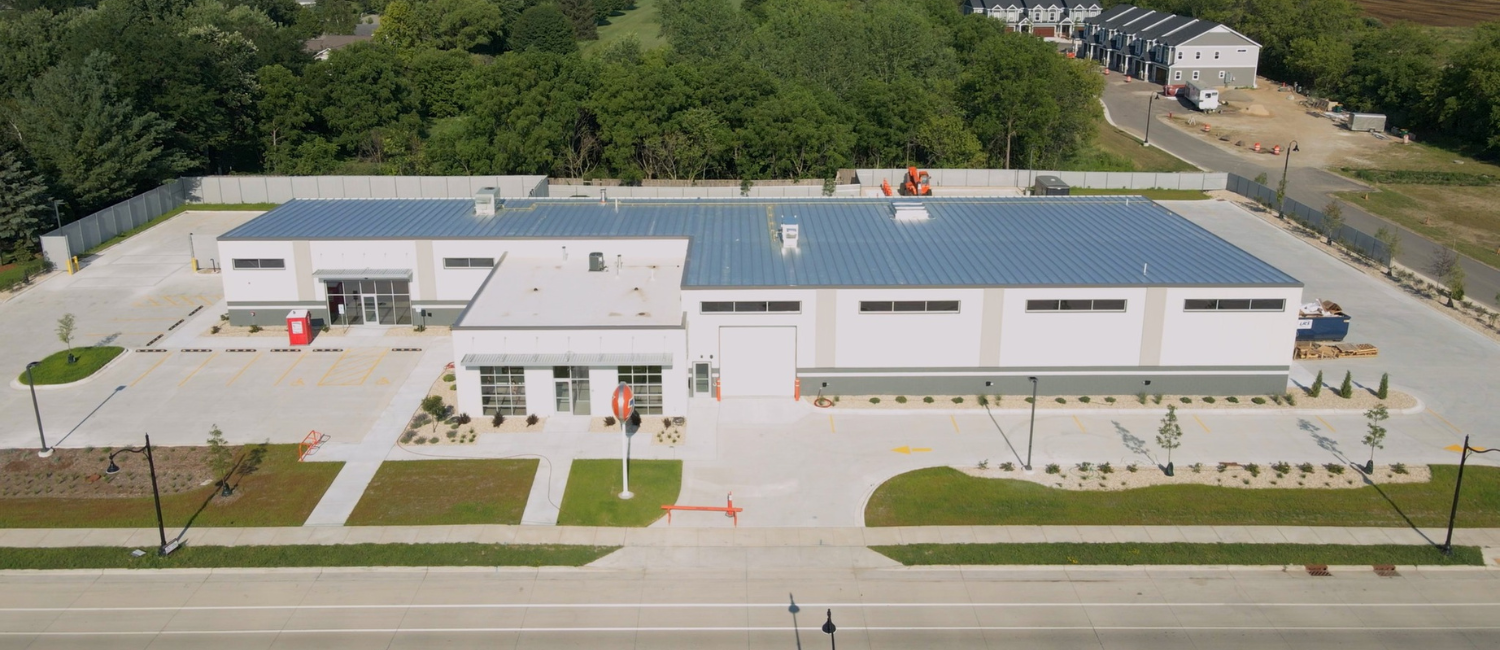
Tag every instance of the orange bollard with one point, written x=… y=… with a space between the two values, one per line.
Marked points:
x=1205 y=128
x=1257 y=147
x=1276 y=150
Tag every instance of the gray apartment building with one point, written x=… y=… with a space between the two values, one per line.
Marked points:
x=1168 y=49
x=1046 y=18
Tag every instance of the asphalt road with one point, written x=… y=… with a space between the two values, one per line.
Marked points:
x=1310 y=185
x=705 y=608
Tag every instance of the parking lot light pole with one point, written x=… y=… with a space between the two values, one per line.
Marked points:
x=1149 y=102
x=1031 y=433
x=829 y=628
x=161 y=527
x=55 y=214
x=1285 y=164
x=1457 y=485
x=46 y=451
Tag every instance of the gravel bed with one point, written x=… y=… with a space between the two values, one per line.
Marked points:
x=1362 y=399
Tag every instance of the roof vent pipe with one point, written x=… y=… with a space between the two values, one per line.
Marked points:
x=565 y=253
x=619 y=261
x=603 y=196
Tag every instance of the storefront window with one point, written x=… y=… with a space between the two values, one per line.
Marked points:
x=502 y=389
x=385 y=302
x=645 y=381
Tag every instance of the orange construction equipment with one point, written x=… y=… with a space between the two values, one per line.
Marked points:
x=885 y=186
x=729 y=510
x=918 y=183
x=312 y=442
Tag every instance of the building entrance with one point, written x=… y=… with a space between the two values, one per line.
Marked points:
x=572 y=384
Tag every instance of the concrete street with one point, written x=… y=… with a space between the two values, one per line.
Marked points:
x=1126 y=103
x=696 y=605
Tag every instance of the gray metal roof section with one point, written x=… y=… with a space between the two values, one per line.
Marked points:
x=1018 y=241
x=1191 y=32
x=1157 y=31
x=363 y=274
x=527 y=359
x=1110 y=14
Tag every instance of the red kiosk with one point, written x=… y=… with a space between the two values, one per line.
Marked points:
x=298 y=327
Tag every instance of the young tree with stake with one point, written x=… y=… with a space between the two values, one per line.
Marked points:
x=1317 y=387
x=1169 y=436
x=220 y=459
x=65 y=327
x=1385 y=386
x=1375 y=438
x=1346 y=389
x=433 y=406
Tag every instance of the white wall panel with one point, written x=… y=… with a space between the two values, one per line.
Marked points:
x=267 y=285
x=884 y=340
x=1229 y=337
x=1071 y=338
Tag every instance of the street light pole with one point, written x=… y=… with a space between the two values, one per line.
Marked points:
x=55 y=214
x=1285 y=164
x=1457 y=485
x=1149 y=102
x=46 y=451
x=1031 y=433
x=161 y=527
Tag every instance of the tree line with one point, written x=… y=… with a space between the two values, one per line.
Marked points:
x=101 y=100
x=1419 y=79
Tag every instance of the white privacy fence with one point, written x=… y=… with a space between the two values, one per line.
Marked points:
x=280 y=189
x=1011 y=178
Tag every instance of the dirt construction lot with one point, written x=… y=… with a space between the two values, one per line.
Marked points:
x=1271 y=117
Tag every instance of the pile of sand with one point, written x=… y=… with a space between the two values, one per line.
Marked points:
x=1258 y=110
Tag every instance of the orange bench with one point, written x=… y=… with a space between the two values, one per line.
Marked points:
x=728 y=509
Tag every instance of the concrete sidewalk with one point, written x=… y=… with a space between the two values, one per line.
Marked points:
x=685 y=536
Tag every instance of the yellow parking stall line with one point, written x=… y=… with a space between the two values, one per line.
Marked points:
x=142 y=320
x=372 y=367
x=1325 y=423
x=1080 y=424
x=1201 y=424
x=1445 y=420
x=195 y=370
x=154 y=366
x=830 y=425
x=289 y=369
x=242 y=370
x=206 y=300
x=170 y=301
x=93 y=334
x=334 y=367
x=187 y=299
x=954 y=418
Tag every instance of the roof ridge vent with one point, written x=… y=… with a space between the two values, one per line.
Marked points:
x=909 y=211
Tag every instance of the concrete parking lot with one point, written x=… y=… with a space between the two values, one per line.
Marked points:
x=143 y=290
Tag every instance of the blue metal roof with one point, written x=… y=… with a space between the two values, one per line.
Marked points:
x=1021 y=241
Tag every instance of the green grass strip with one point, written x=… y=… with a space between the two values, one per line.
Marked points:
x=186 y=207
x=1177 y=553
x=943 y=496
x=55 y=369
x=342 y=555
x=592 y=497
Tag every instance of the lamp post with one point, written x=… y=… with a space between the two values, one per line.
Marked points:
x=1285 y=164
x=55 y=214
x=46 y=451
x=1031 y=433
x=1149 y=102
x=161 y=528
x=829 y=628
x=1453 y=514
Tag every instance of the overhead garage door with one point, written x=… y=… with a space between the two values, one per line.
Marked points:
x=757 y=361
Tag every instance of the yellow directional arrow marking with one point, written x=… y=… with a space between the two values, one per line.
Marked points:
x=299 y=382
x=909 y=450
x=382 y=381
x=1456 y=448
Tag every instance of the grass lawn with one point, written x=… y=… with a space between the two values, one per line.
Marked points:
x=281 y=492
x=939 y=496
x=1461 y=216
x=196 y=557
x=186 y=207
x=593 y=494
x=643 y=22
x=437 y=492
x=1176 y=553
x=55 y=369
x=1156 y=195
x=1143 y=158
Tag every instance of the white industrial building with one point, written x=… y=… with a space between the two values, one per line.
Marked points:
x=554 y=301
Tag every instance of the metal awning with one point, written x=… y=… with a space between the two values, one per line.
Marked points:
x=363 y=274
x=533 y=359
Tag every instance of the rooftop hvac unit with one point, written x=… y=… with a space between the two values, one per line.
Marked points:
x=486 y=200
x=909 y=211
x=789 y=233
x=596 y=262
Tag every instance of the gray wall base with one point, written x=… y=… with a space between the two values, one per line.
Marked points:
x=1071 y=385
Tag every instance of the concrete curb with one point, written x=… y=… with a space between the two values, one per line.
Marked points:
x=1420 y=407
x=16 y=383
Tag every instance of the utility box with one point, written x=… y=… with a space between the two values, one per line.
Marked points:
x=1374 y=122
x=298 y=327
x=1051 y=186
x=596 y=262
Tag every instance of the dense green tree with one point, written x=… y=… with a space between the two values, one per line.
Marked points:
x=1469 y=97
x=23 y=204
x=584 y=15
x=283 y=112
x=1395 y=71
x=359 y=89
x=544 y=28
x=1022 y=101
x=703 y=28
x=90 y=139
x=947 y=142
x=790 y=135
x=436 y=76
x=474 y=25
x=29 y=44
x=1322 y=61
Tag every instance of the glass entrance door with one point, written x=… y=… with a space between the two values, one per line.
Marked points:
x=572 y=384
x=371 y=312
x=702 y=383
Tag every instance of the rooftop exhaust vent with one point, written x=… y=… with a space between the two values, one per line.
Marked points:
x=909 y=211
x=596 y=262
x=486 y=201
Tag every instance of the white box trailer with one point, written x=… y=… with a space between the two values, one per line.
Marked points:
x=1366 y=122
x=1203 y=96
